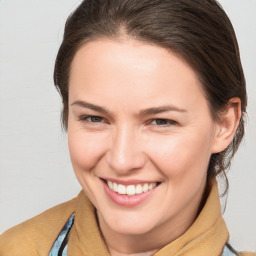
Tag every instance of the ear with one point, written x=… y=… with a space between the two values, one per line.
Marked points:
x=227 y=125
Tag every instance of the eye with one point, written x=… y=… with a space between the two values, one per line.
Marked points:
x=92 y=119
x=163 y=122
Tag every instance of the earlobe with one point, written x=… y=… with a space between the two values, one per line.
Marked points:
x=227 y=126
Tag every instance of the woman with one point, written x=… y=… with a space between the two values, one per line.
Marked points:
x=154 y=101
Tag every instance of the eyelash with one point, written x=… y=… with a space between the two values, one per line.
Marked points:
x=97 y=119
x=161 y=122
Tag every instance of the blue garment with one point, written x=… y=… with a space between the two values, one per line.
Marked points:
x=227 y=252
x=61 y=241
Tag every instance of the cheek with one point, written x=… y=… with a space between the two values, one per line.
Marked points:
x=85 y=150
x=182 y=154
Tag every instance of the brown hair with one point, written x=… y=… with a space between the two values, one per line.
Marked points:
x=198 y=31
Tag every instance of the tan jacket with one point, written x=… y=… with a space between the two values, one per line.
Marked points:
x=206 y=237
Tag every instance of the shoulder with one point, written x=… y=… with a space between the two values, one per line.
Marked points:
x=35 y=236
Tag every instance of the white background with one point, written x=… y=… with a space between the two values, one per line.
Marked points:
x=35 y=170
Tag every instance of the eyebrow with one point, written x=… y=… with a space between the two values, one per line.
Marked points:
x=161 y=109
x=90 y=106
x=145 y=112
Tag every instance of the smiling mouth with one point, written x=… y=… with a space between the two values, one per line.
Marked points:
x=131 y=190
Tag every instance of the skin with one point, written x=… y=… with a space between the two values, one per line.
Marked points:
x=137 y=113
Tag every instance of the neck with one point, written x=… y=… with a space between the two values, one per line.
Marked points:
x=145 y=244
x=113 y=252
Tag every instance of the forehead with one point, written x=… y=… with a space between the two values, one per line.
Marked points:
x=132 y=70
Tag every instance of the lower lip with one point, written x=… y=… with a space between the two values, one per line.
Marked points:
x=125 y=200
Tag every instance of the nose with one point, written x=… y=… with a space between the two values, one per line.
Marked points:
x=125 y=153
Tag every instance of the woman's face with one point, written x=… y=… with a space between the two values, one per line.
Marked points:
x=140 y=136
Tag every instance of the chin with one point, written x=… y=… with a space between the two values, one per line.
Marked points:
x=130 y=224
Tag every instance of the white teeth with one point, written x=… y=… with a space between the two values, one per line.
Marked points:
x=110 y=184
x=130 y=190
x=145 y=187
x=121 y=189
x=139 y=189
x=115 y=188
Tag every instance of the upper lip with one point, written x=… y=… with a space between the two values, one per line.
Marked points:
x=129 y=182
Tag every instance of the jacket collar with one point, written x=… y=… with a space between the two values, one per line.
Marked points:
x=207 y=235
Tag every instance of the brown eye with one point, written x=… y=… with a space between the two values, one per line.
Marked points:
x=92 y=119
x=163 y=122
